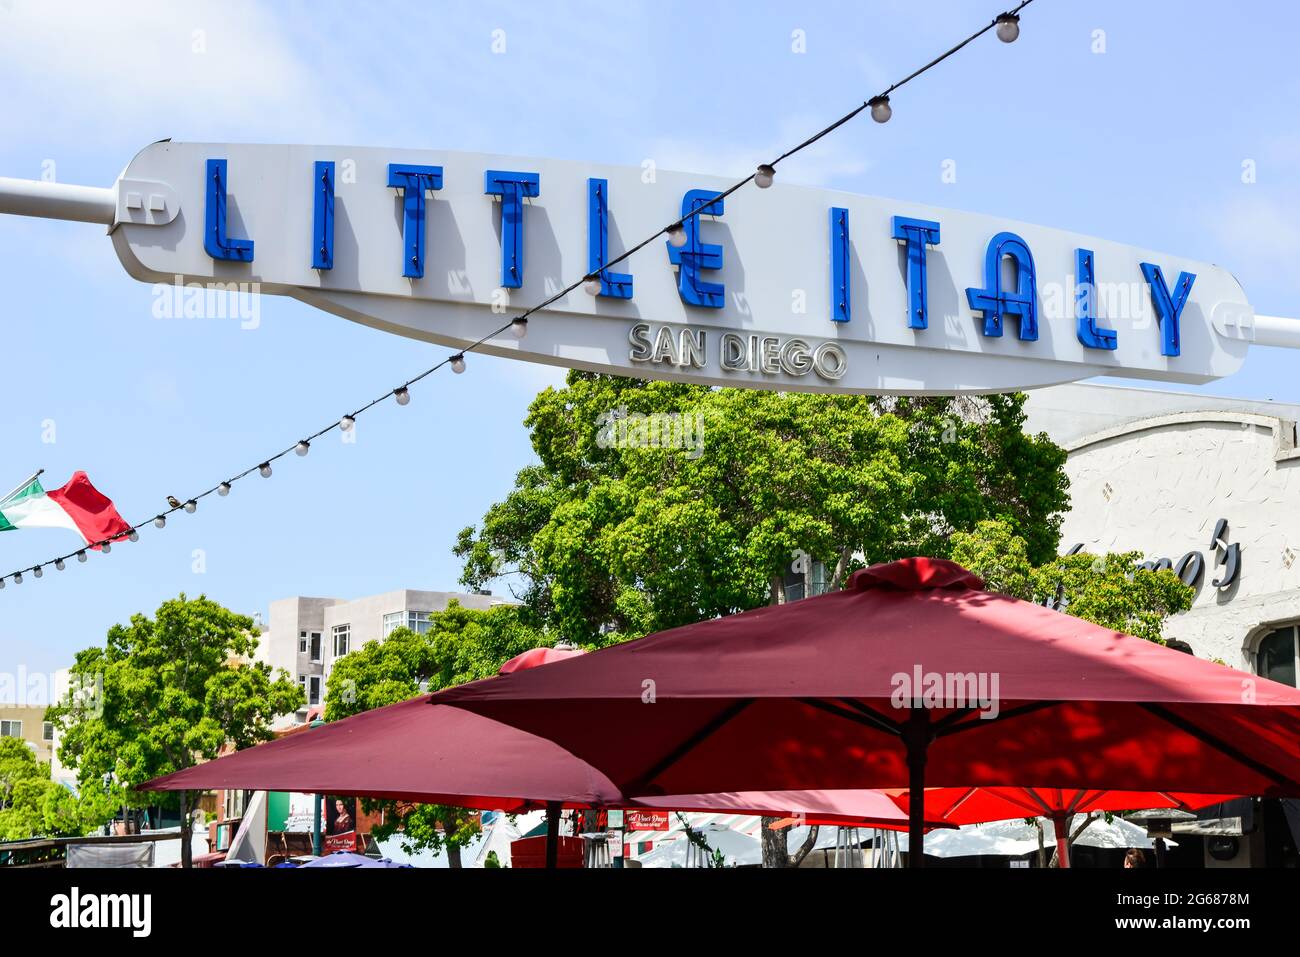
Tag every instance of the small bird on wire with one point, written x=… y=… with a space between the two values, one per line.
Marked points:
x=173 y=501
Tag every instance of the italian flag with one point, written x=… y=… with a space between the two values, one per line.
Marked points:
x=78 y=506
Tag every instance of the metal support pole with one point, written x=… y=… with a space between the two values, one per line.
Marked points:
x=916 y=736
x=82 y=204
x=1061 y=825
x=552 y=834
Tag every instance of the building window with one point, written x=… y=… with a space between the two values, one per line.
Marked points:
x=418 y=621
x=315 y=648
x=302 y=642
x=11 y=729
x=342 y=636
x=47 y=731
x=234 y=804
x=1277 y=654
x=313 y=690
x=794 y=582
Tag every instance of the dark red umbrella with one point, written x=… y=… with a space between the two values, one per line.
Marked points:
x=879 y=686
x=411 y=751
x=980 y=805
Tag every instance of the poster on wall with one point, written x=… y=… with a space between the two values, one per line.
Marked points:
x=340 y=824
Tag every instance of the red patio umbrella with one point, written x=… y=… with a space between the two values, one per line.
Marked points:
x=879 y=686
x=534 y=657
x=832 y=808
x=981 y=805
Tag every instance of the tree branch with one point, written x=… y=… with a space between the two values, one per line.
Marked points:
x=797 y=857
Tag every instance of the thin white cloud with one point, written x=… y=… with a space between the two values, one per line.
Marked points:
x=109 y=72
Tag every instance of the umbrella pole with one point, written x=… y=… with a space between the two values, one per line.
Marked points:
x=916 y=736
x=552 y=834
x=1061 y=825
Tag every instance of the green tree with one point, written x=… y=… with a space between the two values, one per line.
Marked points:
x=172 y=691
x=605 y=539
x=32 y=805
x=461 y=645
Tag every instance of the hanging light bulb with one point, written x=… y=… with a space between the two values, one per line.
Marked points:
x=223 y=489
x=592 y=285
x=191 y=505
x=81 y=555
x=1008 y=27
x=302 y=447
x=105 y=547
x=519 y=328
x=58 y=563
x=677 y=235
x=18 y=578
x=764 y=175
x=458 y=363
x=265 y=469
x=880 y=109
x=160 y=521
x=402 y=395
x=2 y=584
x=37 y=572
x=346 y=423
x=133 y=535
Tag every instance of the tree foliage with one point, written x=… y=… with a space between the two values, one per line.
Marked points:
x=1110 y=590
x=169 y=692
x=604 y=541
x=32 y=805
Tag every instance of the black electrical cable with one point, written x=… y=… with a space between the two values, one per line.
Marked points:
x=522 y=318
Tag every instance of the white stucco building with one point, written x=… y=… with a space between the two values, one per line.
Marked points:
x=1158 y=472
x=305 y=636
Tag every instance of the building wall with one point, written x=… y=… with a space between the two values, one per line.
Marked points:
x=32 y=718
x=364 y=617
x=1153 y=472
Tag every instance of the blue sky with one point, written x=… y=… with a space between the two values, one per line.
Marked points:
x=1143 y=143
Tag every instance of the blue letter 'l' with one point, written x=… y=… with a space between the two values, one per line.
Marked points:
x=1169 y=307
x=512 y=188
x=695 y=255
x=916 y=233
x=215 y=240
x=841 y=261
x=322 y=252
x=413 y=181
x=616 y=285
x=1085 y=304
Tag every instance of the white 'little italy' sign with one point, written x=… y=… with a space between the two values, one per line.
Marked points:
x=787 y=288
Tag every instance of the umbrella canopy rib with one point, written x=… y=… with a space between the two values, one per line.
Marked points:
x=1206 y=737
x=706 y=731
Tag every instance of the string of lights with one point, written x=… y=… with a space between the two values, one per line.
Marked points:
x=1007 y=27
